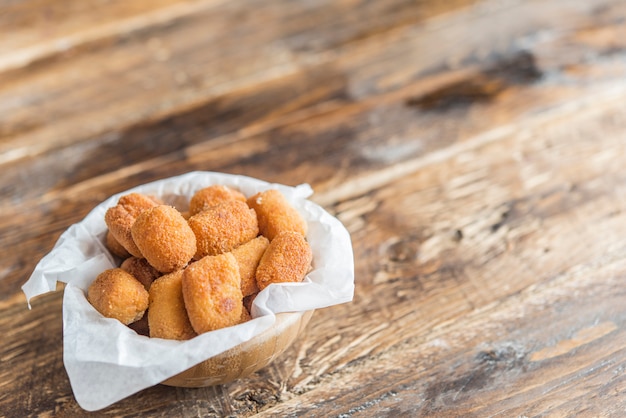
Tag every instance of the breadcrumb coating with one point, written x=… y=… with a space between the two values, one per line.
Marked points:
x=287 y=259
x=115 y=247
x=212 y=293
x=117 y=294
x=275 y=214
x=245 y=316
x=121 y=217
x=211 y=196
x=224 y=227
x=167 y=316
x=248 y=256
x=164 y=238
x=141 y=270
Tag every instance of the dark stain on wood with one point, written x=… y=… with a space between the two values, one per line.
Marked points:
x=213 y=119
x=486 y=367
x=520 y=69
x=505 y=215
x=558 y=200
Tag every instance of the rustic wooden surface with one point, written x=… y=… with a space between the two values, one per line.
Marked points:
x=475 y=150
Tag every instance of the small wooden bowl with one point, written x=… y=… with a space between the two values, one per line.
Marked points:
x=246 y=358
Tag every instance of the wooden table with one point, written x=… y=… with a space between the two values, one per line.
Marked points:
x=474 y=149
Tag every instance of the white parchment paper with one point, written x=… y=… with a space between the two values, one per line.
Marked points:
x=106 y=361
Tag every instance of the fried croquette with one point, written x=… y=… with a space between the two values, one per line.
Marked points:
x=117 y=294
x=275 y=214
x=212 y=293
x=115 y=247
x=248 y=256
x=140 y=270
x=287 y=259
x=245 y=316
x=164 y=238
x=224 y=227
x=121 y=217
x=167 y=316
x=211 y=196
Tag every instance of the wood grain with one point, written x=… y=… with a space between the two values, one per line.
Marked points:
x=473 y=149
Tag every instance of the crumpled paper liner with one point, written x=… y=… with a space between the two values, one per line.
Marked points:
x=107 y=361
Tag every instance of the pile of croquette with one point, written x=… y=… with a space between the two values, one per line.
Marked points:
x=187 y=273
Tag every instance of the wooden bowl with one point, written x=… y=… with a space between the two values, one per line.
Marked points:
x=246 y=358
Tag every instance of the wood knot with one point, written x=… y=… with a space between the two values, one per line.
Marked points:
x=507 y=355
x=403 y=251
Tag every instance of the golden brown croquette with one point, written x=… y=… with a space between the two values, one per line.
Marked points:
x=117 y=294
x=164 y=238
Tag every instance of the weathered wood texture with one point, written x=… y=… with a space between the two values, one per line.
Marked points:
x=475 y=150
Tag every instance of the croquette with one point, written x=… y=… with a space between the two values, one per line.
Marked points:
x=287 y=259
x=224 y=227
x=275 y=214
x=187 y=273
x=212 y=293
x=248 y=256
x=245 y=316
x=164 y=238
x=211 y=196
x=167 y=316
x=117 y=294
x=121 y=217
x=140 y=270
x=115 y=247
